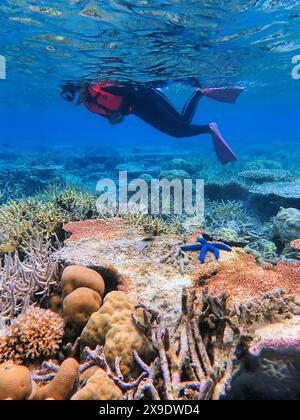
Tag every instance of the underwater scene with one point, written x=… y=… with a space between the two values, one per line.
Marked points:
x=149 y=200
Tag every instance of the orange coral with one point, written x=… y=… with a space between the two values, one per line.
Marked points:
x=100 y=229
x=15 y=382
x=37 y=333
x=76 y=276
x=64 y=384
x=241 y=277
x=296 y=244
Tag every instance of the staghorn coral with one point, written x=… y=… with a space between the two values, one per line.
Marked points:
x=15 y=382
x=102 y=229
x=154 y=225
x=21 y=282
x=78 y=203
x=270 y=307
x=78 y=306
x=194 y=363
x=37 y=333
x=76 y=276
x=22 y=220
x=63 y=385
x=113 y=328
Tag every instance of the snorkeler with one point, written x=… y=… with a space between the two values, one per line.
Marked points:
x=114 y=101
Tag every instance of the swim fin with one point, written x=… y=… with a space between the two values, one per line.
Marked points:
x=223 y=151
x=226 y=94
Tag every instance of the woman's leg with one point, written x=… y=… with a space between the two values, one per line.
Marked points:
x=153 y=107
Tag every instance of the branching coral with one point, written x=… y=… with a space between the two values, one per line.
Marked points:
x=22 y=220
x=78 y=203
x=270 y=307
x=154 y=225
x=194 y=362
x=21 y=282
x=35 y=334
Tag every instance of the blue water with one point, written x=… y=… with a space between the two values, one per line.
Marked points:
x=247 y=43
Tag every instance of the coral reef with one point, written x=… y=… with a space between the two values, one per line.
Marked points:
x=295 y=244
x=103 y=229
x=15 y=382
x=78 y=306
x=64 y=384
x=76 y=276
x=242 y=278
x=23 y=220
x=287 y=225
x=112 y=327
x=99 y=387
x=36 y=334
x=266 y=175
x=153 y=225
x=23 y=282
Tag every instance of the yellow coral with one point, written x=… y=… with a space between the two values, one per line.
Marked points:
x=37 y=333
x=99 y=387
x=22 y=220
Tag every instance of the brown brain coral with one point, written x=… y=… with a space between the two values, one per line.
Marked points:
x=76 y=276
x=113 y=328
x=15 y=382
x=99 y=387
x=79 y=305
x=34 y=334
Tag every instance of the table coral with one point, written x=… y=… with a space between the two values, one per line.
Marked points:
x=15 y=382
x=103 y=229
x=113 y=328
x=37 y=333
x=76 y=276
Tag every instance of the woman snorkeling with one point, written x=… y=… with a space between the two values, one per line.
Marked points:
x=113 y=100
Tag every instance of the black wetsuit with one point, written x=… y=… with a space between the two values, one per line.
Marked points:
x=152 y=106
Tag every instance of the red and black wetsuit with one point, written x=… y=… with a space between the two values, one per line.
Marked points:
x=147 y=103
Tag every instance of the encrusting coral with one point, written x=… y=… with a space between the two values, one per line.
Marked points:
x=15 y=382
x=36 y=334
x=102 y=229
x=76 y=276
x=112 y=327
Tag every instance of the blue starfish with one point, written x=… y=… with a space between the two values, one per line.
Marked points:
x=203 y=246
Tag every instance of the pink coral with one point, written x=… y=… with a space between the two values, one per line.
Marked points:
x=242 y=278
x=295 y=244
x=100 y=229
x=280 y=345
